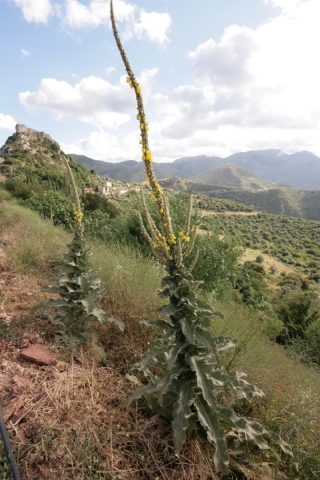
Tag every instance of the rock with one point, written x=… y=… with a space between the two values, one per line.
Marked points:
x=35 y=338
x=39 y=354
x=18 y=416
x=61 y=366
x=15 y=390
x=19 y=381
x=31 y=429
x=24 y=343
x=21 y=435
x=13 y=407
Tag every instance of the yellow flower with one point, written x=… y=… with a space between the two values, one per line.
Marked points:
x=138 y=89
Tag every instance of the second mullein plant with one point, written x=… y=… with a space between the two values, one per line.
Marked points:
x=193 y=381
x=77 y=313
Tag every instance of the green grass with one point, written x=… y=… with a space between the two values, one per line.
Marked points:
x=292 y=390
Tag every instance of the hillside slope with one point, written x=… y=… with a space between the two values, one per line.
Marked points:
x=230 y=175
x=280 y=201
x=34 y=157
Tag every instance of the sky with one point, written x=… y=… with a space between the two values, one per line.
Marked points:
x=217 y=76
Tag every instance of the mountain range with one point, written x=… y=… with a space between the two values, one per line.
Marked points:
x=299 y=170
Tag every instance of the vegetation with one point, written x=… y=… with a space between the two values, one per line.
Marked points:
x=193 y=387
x=279 y=201
x=77 y=310
x=230 y=175
x=191 y=367
x=130 y=280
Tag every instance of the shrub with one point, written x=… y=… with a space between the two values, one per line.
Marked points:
x=297 y=314
x=260 y=259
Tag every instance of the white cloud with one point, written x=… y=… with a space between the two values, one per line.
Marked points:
x=25 y=53
x=109 y=71
x=37 y=11
x=91 y=100
x=253 y=89
x=104 y=146
x=154 y=25
x=7 y=122
x=225 y=62
x=97 y=13
x=284 y=4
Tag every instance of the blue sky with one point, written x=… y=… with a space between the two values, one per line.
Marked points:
x=218 y=77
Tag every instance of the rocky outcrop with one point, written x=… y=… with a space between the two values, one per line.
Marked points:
x=20 y=141
x=20 y=128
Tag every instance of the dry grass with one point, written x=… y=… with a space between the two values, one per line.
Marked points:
x=75 y=425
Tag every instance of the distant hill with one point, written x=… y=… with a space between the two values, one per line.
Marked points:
x=230 y=175
x=299 y=170
x=129 y=170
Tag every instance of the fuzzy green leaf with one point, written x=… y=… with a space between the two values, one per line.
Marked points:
x=205 y=307
x=166 y=381
x=168 y=309
x=188 y=328
x=181 y=413
x=162 y=324
x=224 y=343
x=88 y=304
x=242 y=388
x=203 y=338
x=56 y=303
x=203 y=373
x=104 y=317
x=172 y=354
x=138 y=393
x=210 y=422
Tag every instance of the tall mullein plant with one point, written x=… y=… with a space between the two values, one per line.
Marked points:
x=77 y=311
x=193 y=380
